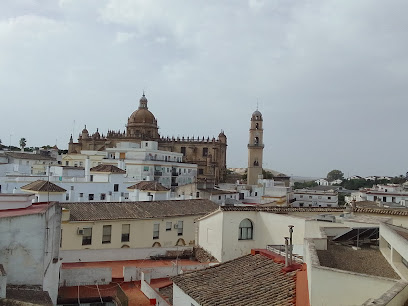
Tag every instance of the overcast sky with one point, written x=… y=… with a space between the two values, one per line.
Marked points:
x=331 y=77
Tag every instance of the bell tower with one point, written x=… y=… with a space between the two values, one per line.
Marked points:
x=255 y=148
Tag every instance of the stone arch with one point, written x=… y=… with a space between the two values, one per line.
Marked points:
x=181 y=242
x=156 y=245
x=125 y=246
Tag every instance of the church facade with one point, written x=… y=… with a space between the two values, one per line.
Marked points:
x=210 y=154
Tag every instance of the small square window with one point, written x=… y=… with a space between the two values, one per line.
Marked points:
x=103 y=196
x=81 y=195
x=168 y=226
x=91 y=197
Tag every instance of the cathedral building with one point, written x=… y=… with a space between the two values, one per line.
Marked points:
x=209 y=154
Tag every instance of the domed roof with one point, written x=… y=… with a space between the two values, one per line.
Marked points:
x=142 y=115
x=85 y=130
x=257 y=113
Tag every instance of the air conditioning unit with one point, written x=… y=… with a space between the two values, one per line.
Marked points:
x=176 y=225
x=80 y=231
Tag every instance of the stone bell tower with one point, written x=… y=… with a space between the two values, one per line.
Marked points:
x=255 y=148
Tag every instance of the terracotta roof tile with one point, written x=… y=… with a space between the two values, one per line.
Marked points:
x=285 y=210
x=138 y=210
x=107 y=168
x=248 y=280
x=43 y=186
x=149 y=185
x=29 y=156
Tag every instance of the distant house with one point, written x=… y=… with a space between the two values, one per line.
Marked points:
x=336 y=182
x=355 y=177
x=322 y=182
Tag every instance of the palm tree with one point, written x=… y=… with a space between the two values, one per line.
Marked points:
x=23 y=143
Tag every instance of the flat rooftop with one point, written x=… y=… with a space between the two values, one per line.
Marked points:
x=117 y=266
x=365 y=260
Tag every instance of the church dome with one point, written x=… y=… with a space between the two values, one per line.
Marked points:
x=142 y=115
x=256 y=113
x=257 y=116
x=85 y=131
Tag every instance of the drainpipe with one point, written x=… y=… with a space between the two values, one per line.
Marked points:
x=290 y=244
x=286 y=251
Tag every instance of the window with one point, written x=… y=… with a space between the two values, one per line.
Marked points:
x=168 y=226
x=125 y=232
x=87 y=236
x=300 y=204
x=67 y=196
x=91 y=178
x=245 y=230
x=205 y=151
x=81 y=195
x=219 y=197
x=115 y=187
x=329 y=198
x=103 y=196
x=197 y=194
x=156 y=230
x=91 y=197
x=66 y=163
x=301 y=196
x=183 y=150
x=146 y=168
x=72 y=187
x=106 y=234
x=180 y=228
x=310 y=197
x=200 y=171
x=81 y=164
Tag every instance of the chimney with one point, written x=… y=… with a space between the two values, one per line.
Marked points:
x=290 y=244
x=286 y=251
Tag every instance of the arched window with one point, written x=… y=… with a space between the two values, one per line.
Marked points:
x=256 y=140
x=246 y=230
x=257 y=125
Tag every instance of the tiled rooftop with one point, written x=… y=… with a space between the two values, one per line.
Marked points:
x=20 y=155
x=247 y=280
x=138 y=210
x=108 y=168
x=27 y=294
x=284 y=210
x=43 y=186
x=149 y=186
x=30 y=210
x=365 y=260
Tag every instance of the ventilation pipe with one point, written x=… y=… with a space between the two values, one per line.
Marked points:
x=286 y=251
x=290 y=244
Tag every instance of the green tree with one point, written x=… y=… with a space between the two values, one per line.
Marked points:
x=335 y=175
x=23 y=143
x=267 y=174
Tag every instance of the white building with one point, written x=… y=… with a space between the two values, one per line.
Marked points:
x=142 y=162
x=29 y=244
x=390 y=193
x=315 y=198
x=322 y=182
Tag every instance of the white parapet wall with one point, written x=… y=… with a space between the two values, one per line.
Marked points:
x=134 y=273
x=116 y=254
x=85 y=276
